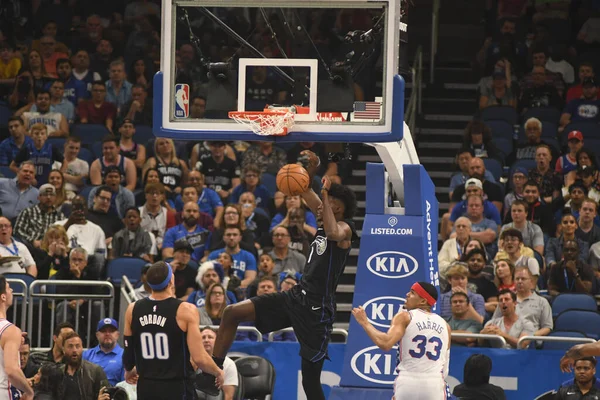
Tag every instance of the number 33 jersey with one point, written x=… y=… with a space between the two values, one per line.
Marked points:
x=425 y=346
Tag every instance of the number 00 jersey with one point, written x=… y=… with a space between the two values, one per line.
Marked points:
x=161 y=350
x=424 y=348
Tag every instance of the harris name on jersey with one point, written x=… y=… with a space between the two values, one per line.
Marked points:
x=422 y=325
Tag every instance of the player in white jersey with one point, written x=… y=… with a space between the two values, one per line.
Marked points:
x=11 y=376
x=423 y=340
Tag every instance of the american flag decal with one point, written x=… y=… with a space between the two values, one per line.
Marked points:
x=367 y=110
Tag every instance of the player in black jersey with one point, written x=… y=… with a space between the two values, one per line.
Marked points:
x=308 y=307
x=161 y=334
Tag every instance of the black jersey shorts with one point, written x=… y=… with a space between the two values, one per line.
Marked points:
x=148 y=389
x=312 y=319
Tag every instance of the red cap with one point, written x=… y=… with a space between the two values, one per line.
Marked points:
x=575 y=135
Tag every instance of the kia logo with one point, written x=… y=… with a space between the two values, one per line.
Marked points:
x=392 y=264
x=381 y=310
x=372 y=361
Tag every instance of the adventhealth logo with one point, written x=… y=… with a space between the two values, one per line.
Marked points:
x=373 y=365
x=381 y=310
x=392 y=264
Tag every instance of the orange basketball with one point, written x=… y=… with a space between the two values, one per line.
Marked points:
x=292 y=179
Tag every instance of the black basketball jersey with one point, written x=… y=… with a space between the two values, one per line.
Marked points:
x=161 y=350
x=170 y=174
x=131 y=153
x=325 y=264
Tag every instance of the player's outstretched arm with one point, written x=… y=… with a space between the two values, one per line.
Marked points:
x=576 y=352
x=11 y=341
x=311 y=164
x=189 y=314
x=334 y=230
x=384 y=340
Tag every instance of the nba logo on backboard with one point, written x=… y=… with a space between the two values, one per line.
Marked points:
x=182 y=100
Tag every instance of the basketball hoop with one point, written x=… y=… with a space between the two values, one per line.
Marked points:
x=265 y=123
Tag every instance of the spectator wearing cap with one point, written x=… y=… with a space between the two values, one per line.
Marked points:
x=463 y=160
x=571 y=274
x=97 y=110
x=33 y=222
x=528 y=150
x=490 y=189
x=121 y=198
x=458 y=275
x=133 y=240
x=474 y=187
x=514 y=250
x=568 y=162
x=185 y=274
x=554 y=249
x=482 y=228
x=584 y=109
x=588 y=230
x=452 y=249
x=548 y=180
x=517 y=184
x=128 y=148
x=221 y=173
x=107 y=354
x=197 y=237
x=209 y=272
x=586 y=70
x=500 y=94
x=532 y=234
x=101 y=214
x=139 y=108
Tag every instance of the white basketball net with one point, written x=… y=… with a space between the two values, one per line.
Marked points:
x=265 y=123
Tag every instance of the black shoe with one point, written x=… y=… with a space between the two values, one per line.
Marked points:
x=206 y=383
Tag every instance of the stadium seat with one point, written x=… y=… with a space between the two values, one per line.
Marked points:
x=573 y=301
x=494 y=167
x=562 y=345
x=504 y=145
x=7 y=172
x=86 y=155
x=544 y=114
x=500 y=129
x=28 y=279
x=527 y=164
x=90 y=133
x=258 y=375
x=237 y=395
x=97 y=149
x=131 y=267
x=85 y=192
x=553 y=142
x=570 y=318
x=5 y=114
x=503 y=113
x=269 y=181
x=143 y=134
x=59 y=143
x=590 y=130
x=549 y=130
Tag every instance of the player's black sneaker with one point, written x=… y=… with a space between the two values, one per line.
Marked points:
x=206 y=383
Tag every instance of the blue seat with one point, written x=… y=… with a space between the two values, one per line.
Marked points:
x=564 y=346
x=97 y=149
x=5 y=114
x=573 y=301
x=549 y=130
x=90 y=133
x=85 y=191
x=129 y=266
x=7 y=172
x=28 y=279
x=527 y=164
x=503 y=113
x=544 y=114
x=86 y=155
x=500 y=129
x=59 y=143
x=553 y=142
x=587 y=321
x=270 y=182
x=504 y=145
x=590 y=130
x=143 y=134
x=494 y=167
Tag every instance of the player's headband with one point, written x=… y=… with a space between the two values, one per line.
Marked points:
x=418 y=289
x=165 y=283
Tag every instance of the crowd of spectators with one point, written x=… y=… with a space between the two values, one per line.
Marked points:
x=68 y=208
x=522 y=225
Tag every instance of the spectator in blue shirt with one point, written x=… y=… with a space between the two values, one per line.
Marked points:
x=118 y=90
x=108 y=354
x=18 y=194
x=463 y=159
x=197 y=236
x=490 y=211
x=244 y=263
x=208 y=200
x=251 y=183
x=10 y=147
x=585 y=109
x=59 y=103
x=75 y=90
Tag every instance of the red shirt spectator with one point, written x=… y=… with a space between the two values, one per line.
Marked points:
x=96 y=110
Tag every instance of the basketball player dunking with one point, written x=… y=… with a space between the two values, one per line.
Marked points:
x=423 y=340
x=11 y=376
x=161 y=333
x=309 y=307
